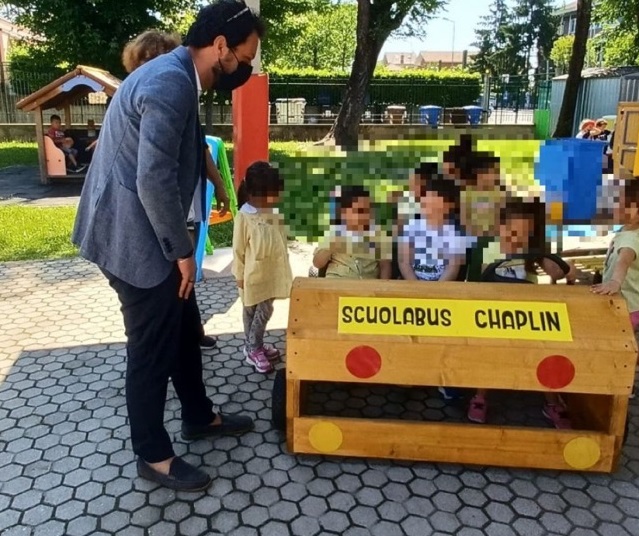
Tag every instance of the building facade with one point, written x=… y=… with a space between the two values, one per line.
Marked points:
x=399 y=61
x=568 y=20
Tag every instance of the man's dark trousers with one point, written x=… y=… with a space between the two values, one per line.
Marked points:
x=163 y=341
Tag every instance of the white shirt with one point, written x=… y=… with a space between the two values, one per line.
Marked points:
x=248 y=209
x=434 y=247
x=198 y=83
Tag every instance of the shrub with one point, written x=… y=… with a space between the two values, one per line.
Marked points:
x=410 y=88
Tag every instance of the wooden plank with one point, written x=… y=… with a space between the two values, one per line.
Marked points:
x=622 y=343
x=42 y=158
x=626 y=140
x=460 y=366
x=618 y=425
x=454 y=443
x=293 y=410
x=593 y=318
x=67 y=116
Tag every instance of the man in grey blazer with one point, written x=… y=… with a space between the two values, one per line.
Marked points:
x=131 y=222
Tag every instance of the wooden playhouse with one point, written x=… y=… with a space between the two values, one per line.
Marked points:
x=60 y=95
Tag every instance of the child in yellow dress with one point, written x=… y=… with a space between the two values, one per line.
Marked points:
x=260 y=259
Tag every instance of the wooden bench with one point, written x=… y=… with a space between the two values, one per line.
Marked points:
x=465 y=335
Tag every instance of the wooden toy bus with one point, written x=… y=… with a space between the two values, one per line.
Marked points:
x=506 y=337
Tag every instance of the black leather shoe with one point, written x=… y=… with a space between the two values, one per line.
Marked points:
x=207 y=342
x=182 y=476
x=231 y=425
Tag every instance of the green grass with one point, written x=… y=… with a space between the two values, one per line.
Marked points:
x=221 y=235
x=36 y=233
x=43 y=233
x=310 y=174
x=18 y=153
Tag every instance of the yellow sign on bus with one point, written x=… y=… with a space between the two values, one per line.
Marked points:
x=532 y=321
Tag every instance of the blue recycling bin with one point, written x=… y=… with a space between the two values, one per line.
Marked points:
x=429 y=115
x=474 y=114
x=571 y=172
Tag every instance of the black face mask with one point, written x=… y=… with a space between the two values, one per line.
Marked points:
x=239 y=77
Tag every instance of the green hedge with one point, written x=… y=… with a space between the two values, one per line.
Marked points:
x=410 y=88
x=311 y=174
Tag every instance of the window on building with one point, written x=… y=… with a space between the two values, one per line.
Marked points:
x=572 y=25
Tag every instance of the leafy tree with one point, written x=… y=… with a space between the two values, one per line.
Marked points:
x=622 y=15
x=562 y=52
x=619 y=49
x=93 y=32
x=498 y=42
x=619 y=39
x=536 y=26
x=567 y=113
x=325 y=39
x=376 y=20
x=278 y=15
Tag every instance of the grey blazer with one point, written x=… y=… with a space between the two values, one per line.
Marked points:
x=132 y=215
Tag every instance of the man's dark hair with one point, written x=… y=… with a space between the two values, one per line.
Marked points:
x=231 y=19
x=55 y=117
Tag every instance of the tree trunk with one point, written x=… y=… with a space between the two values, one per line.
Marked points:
x=567 y=113
x=345 y=130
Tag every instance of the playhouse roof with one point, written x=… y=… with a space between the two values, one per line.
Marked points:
x=71 y=87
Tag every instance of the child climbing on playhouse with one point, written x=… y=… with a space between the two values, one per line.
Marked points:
x=514 y=258
x=260 y=259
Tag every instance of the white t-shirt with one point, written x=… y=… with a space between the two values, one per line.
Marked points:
x=434 y=247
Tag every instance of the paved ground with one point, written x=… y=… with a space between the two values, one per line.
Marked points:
x=21 y=184
x=65 y=467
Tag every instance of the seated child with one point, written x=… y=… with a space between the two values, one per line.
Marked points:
x=483 y=195
x=483 y=198
x=64 y=142
x=514 y=258
x=433 y=246
x=354 y=247
x=621 y=268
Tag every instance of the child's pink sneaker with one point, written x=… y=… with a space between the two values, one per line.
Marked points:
x=259 y=361
x=558 y=415
x=477 y=409
x=271 y=353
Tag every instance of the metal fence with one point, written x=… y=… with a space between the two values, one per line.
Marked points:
x=509 y=101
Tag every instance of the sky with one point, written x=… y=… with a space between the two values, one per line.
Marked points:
x=466 y=14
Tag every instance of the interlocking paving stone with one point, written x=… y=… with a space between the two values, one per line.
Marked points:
x=66 y=468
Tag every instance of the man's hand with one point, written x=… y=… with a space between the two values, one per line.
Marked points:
x=187 y=271
x=223 y=201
